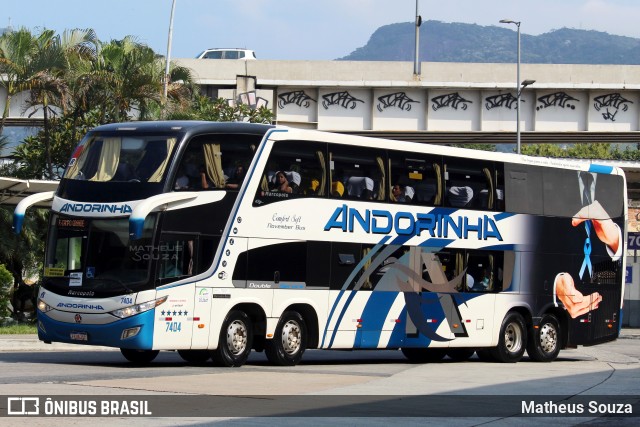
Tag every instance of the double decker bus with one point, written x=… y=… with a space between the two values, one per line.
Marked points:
x=216 y=239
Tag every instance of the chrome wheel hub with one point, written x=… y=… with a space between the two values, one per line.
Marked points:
x=237 y=337
x=291 y=337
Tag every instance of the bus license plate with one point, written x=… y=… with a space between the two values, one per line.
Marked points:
x=79 y=336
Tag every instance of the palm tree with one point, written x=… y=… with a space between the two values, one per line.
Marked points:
x=58 y=60
x=16 y=50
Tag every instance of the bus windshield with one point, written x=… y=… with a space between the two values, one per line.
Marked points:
x=96 y=255
x=137 y=158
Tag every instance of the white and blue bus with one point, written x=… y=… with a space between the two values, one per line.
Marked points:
x=213 y=239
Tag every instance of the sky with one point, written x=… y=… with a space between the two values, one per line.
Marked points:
x=302 y=29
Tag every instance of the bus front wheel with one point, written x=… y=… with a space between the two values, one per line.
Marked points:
x=289 y=341
x=236 y=339
x=139 y=357
x=512 y=340
x=544 y=342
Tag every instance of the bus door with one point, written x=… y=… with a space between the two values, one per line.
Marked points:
x=184 y=316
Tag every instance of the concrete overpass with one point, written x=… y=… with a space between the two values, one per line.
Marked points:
x=449 y=102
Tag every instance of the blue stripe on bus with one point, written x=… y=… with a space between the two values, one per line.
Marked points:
x=398 y=334
x=600 y=168
x=346 y=283
x=352 y=294
x=506 y=247
x=503 y=215
x=375 y=313
x=436 y=243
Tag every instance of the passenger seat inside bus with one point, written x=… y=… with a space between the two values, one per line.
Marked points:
x=460 y=196
x=360 y=187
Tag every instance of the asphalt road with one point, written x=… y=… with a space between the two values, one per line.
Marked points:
x=357 y=388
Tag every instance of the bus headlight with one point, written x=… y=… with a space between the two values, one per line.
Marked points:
x=43 y=306
x=138 y=308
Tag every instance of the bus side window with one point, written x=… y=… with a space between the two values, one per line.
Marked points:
x=176 y=257
x=304 y=167
x=486 y=270
x=470 y=184
x=361 y=171
x=418 y=176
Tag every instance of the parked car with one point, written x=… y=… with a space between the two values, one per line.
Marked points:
x=232 y=53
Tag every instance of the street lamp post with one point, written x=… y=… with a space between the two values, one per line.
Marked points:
x=416 y=59
x=519 y=86
x=168 y=59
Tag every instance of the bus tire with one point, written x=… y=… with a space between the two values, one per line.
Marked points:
x=460 y=354
x=512 y=340
x=424 y=355
x=139 y=357
x=289 y=341
x=544 y=341
x=194 y=356
x=236 y=338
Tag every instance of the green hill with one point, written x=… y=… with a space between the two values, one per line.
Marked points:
x=457 y=42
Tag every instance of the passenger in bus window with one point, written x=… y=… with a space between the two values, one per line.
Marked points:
x=402 y=193
x=236 y=180
x=282 y=184
x=182 y=181
x=203 y=181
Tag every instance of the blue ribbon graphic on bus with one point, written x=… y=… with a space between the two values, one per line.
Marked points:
x=587 y=251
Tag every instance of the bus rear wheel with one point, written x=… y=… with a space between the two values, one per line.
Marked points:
x=544 y=342
x=424 y=355
x=512 y=340
x=289 y=341
x=236 y=339
x=194 y=356
x=139 y=357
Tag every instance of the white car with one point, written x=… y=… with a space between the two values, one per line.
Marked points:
x=227 y=54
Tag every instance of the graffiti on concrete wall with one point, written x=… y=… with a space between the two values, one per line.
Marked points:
x=611 y=103
x=342 y=99
x=452 y=100
x=557 y=99
x=252 y=100
x=297 y=97
x=505 y=100
x=399 y=100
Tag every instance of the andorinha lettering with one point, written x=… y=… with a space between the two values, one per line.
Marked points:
x=96 y=207
x=81 y=306
x=408 y=224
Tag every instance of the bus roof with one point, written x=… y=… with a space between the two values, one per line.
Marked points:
x=186 y=125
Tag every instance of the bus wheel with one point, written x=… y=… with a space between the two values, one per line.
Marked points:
x=424 y=355
x=544 y=343
x=512 y=340
x=194 y=356
x=460 y=354
x=139 y=357
x=289 y=341
x=236 y=338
